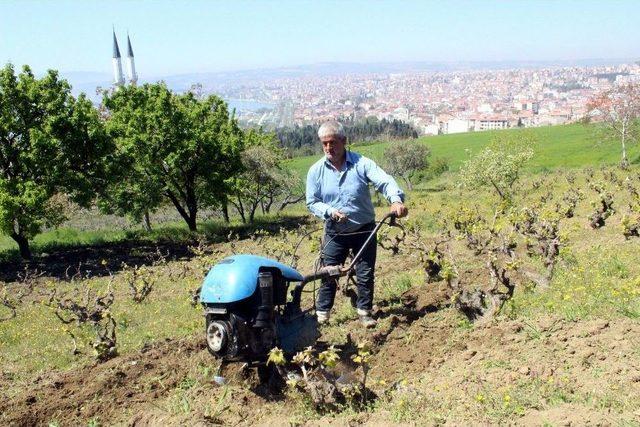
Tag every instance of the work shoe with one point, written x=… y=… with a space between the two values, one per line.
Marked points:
x=366 y=319
x=323 y=317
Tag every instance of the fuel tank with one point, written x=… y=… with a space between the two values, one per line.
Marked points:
x=236 y=278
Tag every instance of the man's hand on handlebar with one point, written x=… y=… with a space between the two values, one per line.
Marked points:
x=339 y=217
x=399 y=210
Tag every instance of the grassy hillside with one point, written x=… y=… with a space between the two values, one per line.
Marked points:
x=558 y=146
x=570 y=146
x=566 y=353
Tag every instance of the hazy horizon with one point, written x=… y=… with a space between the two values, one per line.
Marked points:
x=541 y=62
x=173 y=38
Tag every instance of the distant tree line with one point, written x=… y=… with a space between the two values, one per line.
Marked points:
x=303 y=140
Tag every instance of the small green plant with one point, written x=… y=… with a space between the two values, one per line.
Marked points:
x=540 y=225
x=319 y=385
x=329 y=358
x=89 y=309
x=214 y=412
x=631 y=220
x=499 y=165
x=391 y=241
x=603 y=206
x=361 y=358
x=9 y=302
x=432 y=255
x=140 y=281
x=276 y=357
x=495 y=243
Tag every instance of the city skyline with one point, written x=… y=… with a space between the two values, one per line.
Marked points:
x=198 y=37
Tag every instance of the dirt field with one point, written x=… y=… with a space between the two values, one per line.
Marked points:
x=425 y=361
x=567 y=353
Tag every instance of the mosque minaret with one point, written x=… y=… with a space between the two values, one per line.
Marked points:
x=118 y=77
x=131 y=65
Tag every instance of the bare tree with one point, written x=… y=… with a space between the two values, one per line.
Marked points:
x=264 y=178
x=618 y=110
x=84 y=307
x=405 y=158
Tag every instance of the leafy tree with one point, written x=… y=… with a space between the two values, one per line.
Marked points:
x=619 y=111
x=499 y=164
x=51 y=144
x=405 y=158
x=180 y=148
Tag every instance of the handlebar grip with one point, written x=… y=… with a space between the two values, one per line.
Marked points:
x=324 y=273
x=392 y=216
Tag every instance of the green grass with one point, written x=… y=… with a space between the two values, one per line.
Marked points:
x=62 y=237
x=35 y=340
x=176 y=232
x=569 y=146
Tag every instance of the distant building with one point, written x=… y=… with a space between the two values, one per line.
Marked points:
x=401 y=114
x=526 y=119
x=556 y=117
x=425 y=126
x=131 y=66
x=485 y=108
x=527 y=105
x=118 y=75
x=489 y=122
x=454 y=125
x=430 y=129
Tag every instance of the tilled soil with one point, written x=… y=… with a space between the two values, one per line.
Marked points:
x=108 y=390
x=422 y=339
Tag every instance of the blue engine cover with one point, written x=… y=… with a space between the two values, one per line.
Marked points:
x=236 y=278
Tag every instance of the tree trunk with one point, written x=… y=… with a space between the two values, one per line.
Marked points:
x=502 y=196
x=267 y=205
x=192 y=206
x=240 y=208
x=252 y=212
x=191 y=222
x=23 y=244
x=189 y=218
x=624 y=164
x=406 y=180
x=147 y=221
x=225 y=211
x=193 y=215
x=290 y=201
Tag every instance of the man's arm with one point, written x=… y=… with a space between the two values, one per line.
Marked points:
x=387 y=186
x=383 y=182
x=314 y=197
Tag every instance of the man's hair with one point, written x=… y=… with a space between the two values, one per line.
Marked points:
x=331 y=128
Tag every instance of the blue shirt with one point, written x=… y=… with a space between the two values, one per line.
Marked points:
x=347 y=190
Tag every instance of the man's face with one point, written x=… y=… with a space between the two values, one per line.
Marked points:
x=333 y=147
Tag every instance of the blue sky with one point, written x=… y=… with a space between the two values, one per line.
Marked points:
x=171 y=37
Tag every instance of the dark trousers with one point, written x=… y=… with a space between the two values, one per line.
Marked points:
x=335 y=251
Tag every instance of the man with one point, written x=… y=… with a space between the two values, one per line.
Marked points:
x=338 y=192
